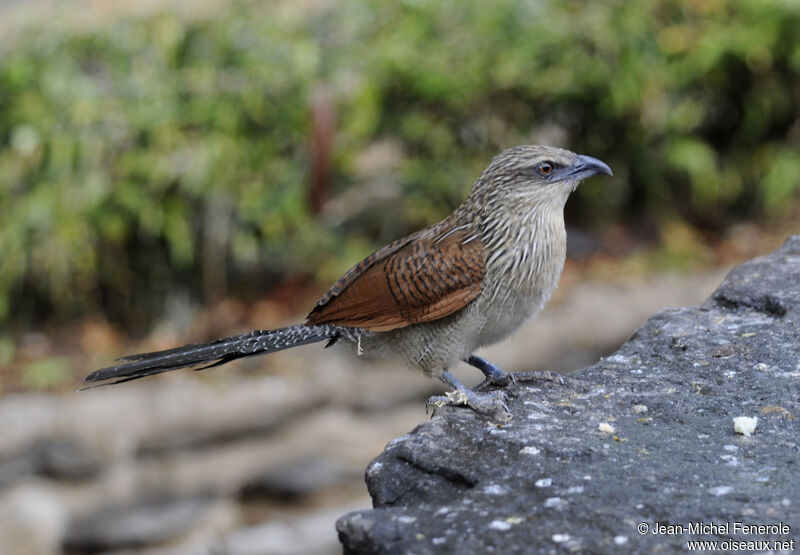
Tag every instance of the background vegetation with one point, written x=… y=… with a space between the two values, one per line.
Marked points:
x=169 y=154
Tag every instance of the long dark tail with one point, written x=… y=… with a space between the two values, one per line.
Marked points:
x=256 y=342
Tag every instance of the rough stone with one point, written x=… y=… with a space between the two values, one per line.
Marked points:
x=296 y=479
x=641 y=439
x=16 y=468
x=57 y=458
x=311 y=533
x=32 y=520
x=143 y=524
x=66 y=459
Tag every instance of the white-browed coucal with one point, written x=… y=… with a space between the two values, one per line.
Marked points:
x=434 y=297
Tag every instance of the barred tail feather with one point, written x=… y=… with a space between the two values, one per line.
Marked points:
x=215 y=353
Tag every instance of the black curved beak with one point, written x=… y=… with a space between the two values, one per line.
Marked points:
x=586 y=166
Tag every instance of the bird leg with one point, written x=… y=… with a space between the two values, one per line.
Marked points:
x=497 y=377
x=494 y=375
x=490 y=404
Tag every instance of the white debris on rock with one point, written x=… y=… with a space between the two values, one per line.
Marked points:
x=745 y=425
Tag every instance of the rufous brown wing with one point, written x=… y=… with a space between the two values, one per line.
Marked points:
x=423 y=277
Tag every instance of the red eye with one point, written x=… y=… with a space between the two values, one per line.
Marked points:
x=545 y=168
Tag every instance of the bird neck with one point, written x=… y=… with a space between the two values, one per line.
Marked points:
x=525 y=241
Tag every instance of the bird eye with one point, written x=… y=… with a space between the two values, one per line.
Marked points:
x=545 y=168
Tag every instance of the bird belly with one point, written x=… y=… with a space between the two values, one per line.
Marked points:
x=431 y=347
x=513 y=301
x=499 y=327
x=503 y=319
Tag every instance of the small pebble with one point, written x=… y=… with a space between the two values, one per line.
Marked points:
x=501 y=525
x=745 y=425
x=606 y=427
x=720 y=490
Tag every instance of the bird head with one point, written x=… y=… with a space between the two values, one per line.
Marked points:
x=537 y=173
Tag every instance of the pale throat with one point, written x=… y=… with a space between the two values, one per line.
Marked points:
x=529 y=253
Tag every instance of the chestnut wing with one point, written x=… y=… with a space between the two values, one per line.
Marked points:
x=423 y=277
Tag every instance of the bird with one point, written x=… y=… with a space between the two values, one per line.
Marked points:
x=434 y=297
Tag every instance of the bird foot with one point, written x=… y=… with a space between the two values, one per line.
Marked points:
x=537 y=375
x=494 y=375
x=493 y=405
x=497 y=380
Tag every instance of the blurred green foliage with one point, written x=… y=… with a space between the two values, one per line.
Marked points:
x=46 y=373
x=151 y=155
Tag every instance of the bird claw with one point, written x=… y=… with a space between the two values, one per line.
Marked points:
x=494 y=404
x=435 y=402
x=453 y=398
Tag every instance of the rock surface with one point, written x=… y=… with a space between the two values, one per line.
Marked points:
x=643 y=438
x=122 y=527
x=296 y=479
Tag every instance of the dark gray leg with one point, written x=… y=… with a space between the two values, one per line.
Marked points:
x=494 y=375
x=491 y=404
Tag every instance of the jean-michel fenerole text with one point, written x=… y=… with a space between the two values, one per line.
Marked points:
x=721 y=529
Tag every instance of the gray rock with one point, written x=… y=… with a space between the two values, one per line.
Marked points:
x=643 y=438
x=310 y=533
x=144 y=524
x=296 y=479
x=32 y=520
x=60 y=459
x=66 y=459
x=16 y=468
